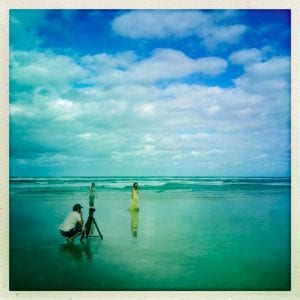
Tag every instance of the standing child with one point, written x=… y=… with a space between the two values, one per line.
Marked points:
x=92 y=194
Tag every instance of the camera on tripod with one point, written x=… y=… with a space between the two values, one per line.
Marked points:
x=90 y=220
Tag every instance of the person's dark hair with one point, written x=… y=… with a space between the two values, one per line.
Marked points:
x=76 y=207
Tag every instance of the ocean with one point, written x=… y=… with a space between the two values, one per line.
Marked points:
x=192 y=234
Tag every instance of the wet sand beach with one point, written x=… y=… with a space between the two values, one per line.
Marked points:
x=189 y=237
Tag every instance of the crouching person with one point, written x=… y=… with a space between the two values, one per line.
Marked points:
x=72 y=226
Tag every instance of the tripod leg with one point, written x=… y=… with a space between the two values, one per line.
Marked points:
x=101 y=236
x=82 y=236
x=87 y=228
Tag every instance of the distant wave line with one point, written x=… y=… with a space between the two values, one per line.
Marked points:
x=146 y=183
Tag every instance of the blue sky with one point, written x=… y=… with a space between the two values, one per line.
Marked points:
x=150 y=92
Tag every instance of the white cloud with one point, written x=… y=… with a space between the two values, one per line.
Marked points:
x=222 y=34
x=148 y=138
x=160 y=24
x=213 y=109
x=57 y=159
x=88 y=136
x=246 y=56
x=273 y=68
x=64 y=110
x=45 y=69
x=102 y=61
x=162 y=64
x=262 y=157
x=145 y=110
x=169 y=63
x=212 y=153
x=177 y=156
x=194 y=137
x=16 y=110
x=270 y=78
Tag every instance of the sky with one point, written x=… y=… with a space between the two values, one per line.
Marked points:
x=150 y=93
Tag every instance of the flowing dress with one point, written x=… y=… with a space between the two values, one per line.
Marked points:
x=134 y=199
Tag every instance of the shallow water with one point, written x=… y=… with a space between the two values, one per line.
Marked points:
x=229 y=234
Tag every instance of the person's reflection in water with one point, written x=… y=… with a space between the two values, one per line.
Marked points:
x=78 y=251
x=134 y=214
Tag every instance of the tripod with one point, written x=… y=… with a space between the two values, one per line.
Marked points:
x=89 y=223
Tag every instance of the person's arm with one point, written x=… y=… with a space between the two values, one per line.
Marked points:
x=80 y=220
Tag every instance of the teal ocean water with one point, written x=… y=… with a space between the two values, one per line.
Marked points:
x=193 y=234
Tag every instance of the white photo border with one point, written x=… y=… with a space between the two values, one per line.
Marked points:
x=6 y=5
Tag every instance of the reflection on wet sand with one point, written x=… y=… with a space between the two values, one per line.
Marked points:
x=134 y=214
x=79 y=251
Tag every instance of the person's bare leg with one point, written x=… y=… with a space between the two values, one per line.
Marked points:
x=74 y=236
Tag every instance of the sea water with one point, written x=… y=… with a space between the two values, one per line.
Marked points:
x=192 y=234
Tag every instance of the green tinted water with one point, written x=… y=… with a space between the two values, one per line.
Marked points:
x=215 y=239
